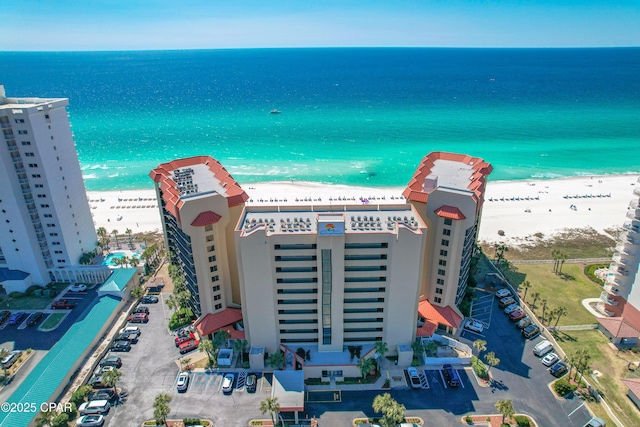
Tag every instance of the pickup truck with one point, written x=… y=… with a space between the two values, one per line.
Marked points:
x=63 y=304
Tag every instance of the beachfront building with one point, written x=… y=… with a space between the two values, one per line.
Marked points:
x=200 y=205
x=447 y=190
x=45 y=221
x=620 y=298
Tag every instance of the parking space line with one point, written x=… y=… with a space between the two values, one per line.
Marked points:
x=571 y=413
x=444 y=383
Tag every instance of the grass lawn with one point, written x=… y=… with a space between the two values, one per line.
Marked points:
x=32 y=303
x=567 y=289
x=612 y=365
x=52 y=321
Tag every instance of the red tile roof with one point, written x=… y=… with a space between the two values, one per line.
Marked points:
x=619 y=327
x=633 y=384
x=427 y=329
x=214 y=322
x=436 y=314
x=477 y=180
x=206 y=218
x=450 y=212
x=162 y=175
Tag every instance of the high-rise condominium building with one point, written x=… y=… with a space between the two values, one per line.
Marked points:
x=45 y=221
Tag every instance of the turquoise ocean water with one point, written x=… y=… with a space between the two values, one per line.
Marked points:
x=348 y=116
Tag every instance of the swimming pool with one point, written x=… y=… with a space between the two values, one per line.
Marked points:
x=109 y=260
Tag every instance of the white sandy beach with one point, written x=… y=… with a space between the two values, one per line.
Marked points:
x=547 y=210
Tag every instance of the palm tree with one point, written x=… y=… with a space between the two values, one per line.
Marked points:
x=161 y=408
x=134 y=261
x=563 y=258
x=45 y=418
x=505 y=407
x=4 y=353
x=221 y=338
x=128 y=232
x=555 y=254
x=184 y=363
x=366 y=365
x=138 y=292
x=240 y=346
x=111 y=378
x=525 y=287
x=381 y=348
x=276 y=360
x=392 y=410
x=173 y=304
x=584 y=363
x=480 y=345
x=207 y=346
x=535 y=296
x=544 y=307
x=417 y=347
x=491 y=360
x=271 y=406
x=124 y=261
x=561 y=311
x=115 y=236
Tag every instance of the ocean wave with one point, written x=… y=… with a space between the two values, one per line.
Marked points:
x=90 y=176
x=113 y=175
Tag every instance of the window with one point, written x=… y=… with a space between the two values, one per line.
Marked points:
x=26 y=142
x=51 y=225
x=46 y=116
x=365 y=245
x=314 y=311
x=209 y=238
x=33 y=165
x=445 y=242
x=437 y=300
x=29 y=154
x=440 y=281
x=439 y=291
x=297 y=291
x=217 y=297
x=208 y=227
x=39 y=186
x=48 y=216
x=211 y=248
x=297 y=246
x=19 y=120
x=446 y=232
x=448 y=221
x=22 y=132
x=55 y=243
x=35 y=175
x=44 y=206
x=213 y=268
x=217 y=307
x=216 y=288
x=296 y=258
x=442 y=262
x=362 y=300
x=297 y=301
x=441 y=272
x=443 y=252
x=57 y=252
x=53 y=234
x=215 y=278
x=212 y=258
x=42 y=196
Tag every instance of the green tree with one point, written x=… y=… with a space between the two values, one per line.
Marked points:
x=555 y=254
x=60 y=420
x=417 y=347
x=239 y=346
x=525 y=287
x=184 y=364
x=124 y=261
x=138 y=292
x=111 y=378
x=128 y=233
x=173 y=304
x=134 y=262
x=115 y=236
x=480 y=345
x=393 y=412
x=4 y=353
x=563 y=258
x=561 y=311
x=544 y=307
x=276 y=360
x=161 y=408
x=270 y=405
x=535 y=296
x=221 y=338
x=381 y=348
x=207 y=347
x=45 y=418
x=366 y=365
x=491 y=360
x=505 y=407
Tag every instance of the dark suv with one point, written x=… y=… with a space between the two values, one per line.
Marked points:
x=141 y=309
x=559 y=369
x=121 y=345
x=114 y=361
x=451 y=376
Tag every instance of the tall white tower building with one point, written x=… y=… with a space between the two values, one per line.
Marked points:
x=45 y=221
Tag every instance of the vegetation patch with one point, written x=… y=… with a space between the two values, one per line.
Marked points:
x=562 y=387
x=479 y=368
x=185 y=317
x=589 y=271
x=52 y=321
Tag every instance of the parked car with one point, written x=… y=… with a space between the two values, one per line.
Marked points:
x=524 y=322
x=550 y=358
x=114 y=361
x=138 y=318
x=227 y=383
x=414 y=378
x=127 y=336
x=96 y=381
x=251 y=383
x=188 y=346
x=141 y=309
x=4 y=315
x=11 y=359
x=154 y=290
x=542 y=348
x=34 y=319
x=149 y=299
x=130 y=330
x=90 y=421
x=94 y=407
x=505 y=302
x=530 y=331
x=559 y=369
x=16 y=318
x=105 y=394
x=512 y=307
x=77 y=288
x=63 y=304
x=183 y=382
x=595 y=422
x=503 y=293
x=182 y=339
x=474 y=325
x=451 y=376
x=517 y=315
x=122 y=345
x=102 y=369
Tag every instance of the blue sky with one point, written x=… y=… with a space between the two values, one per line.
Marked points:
x=196 y=24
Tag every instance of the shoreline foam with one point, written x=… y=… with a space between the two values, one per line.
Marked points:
x=547 y=211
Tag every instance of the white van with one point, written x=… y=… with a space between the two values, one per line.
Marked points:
x=542 y=348
x=94 y=407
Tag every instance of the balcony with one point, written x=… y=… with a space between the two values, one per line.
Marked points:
x=636 y=191
x=601 y=309
x=630 y=227
x=614 y=280
x=612 y=289
x=626 y=238
x=606 y=297
x=623 y=249
x=633 y=213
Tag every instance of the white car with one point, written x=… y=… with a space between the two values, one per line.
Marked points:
x=503 y=293
x=90 y=421
x=474 y=325
x=130 y=330
x=414 y=378
x=227 y=383
x=550 y=359
x=512 y=307
x=77 y=288
x=183 y=382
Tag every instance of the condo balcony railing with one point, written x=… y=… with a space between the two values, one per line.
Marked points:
x=627 y=239
x=614 y=280
x=606 y=297
x=5 y=125
x=634 y=203
x=623 y=249
x=636 y=191
x=633 y=213
x=629 y=226
x=612 y=289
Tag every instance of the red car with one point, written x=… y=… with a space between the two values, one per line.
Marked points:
x=517 y=315
x=188 y=346
x=63 y=304
x=138 y=318
x=185 y=338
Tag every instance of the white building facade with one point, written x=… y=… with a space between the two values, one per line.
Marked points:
x=45 y=220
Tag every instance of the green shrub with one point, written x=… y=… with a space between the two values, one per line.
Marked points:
x=78 y=396
x=522 y=421
x=589 y=271
x=16 y=295
x=468 y=419
x=186 y=317
x=191 y=421
x=33 y=290
x=60 y=420
x=479 y=368
x=562 y=387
